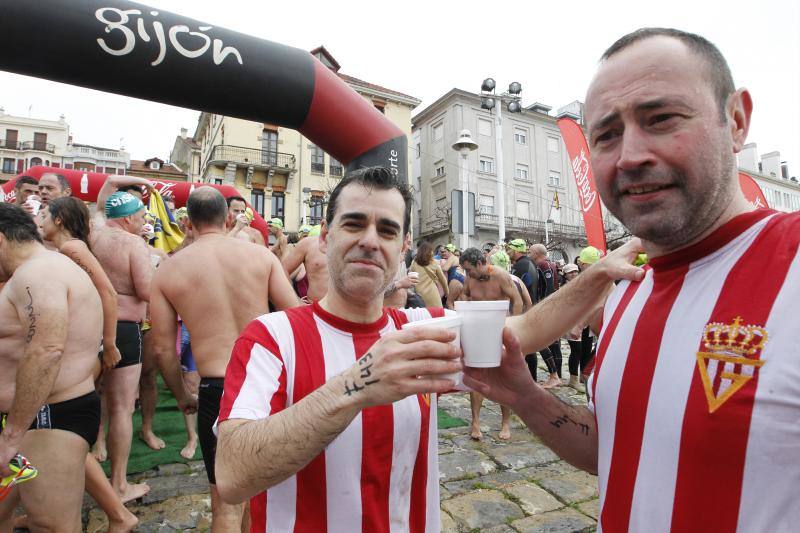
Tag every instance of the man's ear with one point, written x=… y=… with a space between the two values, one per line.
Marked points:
x=323 y=236
x=68 y=191
x=740 y=107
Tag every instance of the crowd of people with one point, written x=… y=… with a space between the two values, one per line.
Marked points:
x=311 y=402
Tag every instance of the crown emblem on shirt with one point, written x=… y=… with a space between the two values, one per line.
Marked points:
x=729 y=358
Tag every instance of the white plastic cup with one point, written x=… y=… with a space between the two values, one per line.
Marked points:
x=482 y=331
x=453 y=323
x=35 y=203
x=414 y=275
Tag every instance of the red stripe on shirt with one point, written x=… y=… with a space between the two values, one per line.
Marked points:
x=309 y=376
x=258 y=513
x=419 y=480
x=377 y=425
x=236 y=371
x=634 y=393
x=608 y=333
x=714 y=445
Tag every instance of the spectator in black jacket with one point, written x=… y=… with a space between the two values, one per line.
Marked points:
x=547 y=285
x=525 y=270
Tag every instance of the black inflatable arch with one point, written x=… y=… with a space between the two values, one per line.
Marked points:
x=130 y=49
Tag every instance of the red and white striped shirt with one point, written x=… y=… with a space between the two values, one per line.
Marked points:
x=381 y=473
x=697 y=392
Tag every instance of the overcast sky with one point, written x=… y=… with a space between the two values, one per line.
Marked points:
x=425 y=48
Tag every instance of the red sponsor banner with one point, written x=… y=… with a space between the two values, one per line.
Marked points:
x=578 y=152
x=86 y=186
x=752 y=191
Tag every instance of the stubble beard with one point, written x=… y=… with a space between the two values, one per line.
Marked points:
x=677 y=226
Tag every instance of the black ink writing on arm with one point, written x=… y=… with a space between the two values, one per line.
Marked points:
x=78 y=262
x=31 y=316
x=565 y=419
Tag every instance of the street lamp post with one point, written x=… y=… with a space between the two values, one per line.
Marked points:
x=488 y=101
x=464 y=145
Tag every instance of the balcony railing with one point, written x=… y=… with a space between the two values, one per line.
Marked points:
x=10 y=145
x=39 y=146
x=530 y=225
x=318 y=167
x=252 y=156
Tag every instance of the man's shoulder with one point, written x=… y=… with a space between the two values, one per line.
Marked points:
x=279 y=325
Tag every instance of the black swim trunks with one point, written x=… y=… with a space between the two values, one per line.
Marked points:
x=79 y=415
x=208 y=400
x=129 y=343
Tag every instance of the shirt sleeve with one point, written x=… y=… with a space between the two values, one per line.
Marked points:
x=255 y=380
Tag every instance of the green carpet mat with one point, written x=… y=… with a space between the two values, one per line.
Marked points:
x=169 y=426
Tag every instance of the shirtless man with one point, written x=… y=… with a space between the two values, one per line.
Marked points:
x=24 y=187
x=217 y=286
x=238 y=223
x=281 y=246
x=487 y=282
x=51 y=322
x=308 y=253
x=126 y=259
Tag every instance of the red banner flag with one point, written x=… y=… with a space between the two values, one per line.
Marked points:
x=752 y=191
x=578 y=152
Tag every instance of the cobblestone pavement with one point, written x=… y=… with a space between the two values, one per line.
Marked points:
x=490 y=485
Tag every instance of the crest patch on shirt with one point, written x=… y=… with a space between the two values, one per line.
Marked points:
x=729 y=358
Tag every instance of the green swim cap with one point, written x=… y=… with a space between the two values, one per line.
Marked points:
x=122 y=204
x=276 y=222
x=500 y=259
x=304 y=229
x=589 y=255
x=641 y=260
x=315 y=230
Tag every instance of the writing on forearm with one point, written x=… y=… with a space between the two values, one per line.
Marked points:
x=31 y=316
x=80 y=263
x=366 y=379
x=565 y=419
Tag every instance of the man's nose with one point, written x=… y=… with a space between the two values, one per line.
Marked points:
x=634 y=149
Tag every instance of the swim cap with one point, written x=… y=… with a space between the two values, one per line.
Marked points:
x=181 y=212
x=122 y=204
x=450 y=247
x=276 y=222
x=304 y=229
x=641 y=260
x=500 y=259
x=518 y=245
x=589 y=255
x=315 y=231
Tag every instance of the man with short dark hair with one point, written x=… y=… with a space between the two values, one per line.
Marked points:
x=50 y=329
x=484 y=281
x=328 y=421
x=52 y=186
x=694 y=396
x=217 y=285
x=238 y=222
x=25 y=186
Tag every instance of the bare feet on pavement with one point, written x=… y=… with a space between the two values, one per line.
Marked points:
x=552 y=382
x=188 y=451
x=124 y=525
x=133 y=491
x=152 y=441
x=475 y=434
x=505 y=433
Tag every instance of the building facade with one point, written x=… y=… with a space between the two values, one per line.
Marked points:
x=781 y=190
x=156 y=169
x=185 y=155
x=538 y=181
x=28 y=142
x=281 y=173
